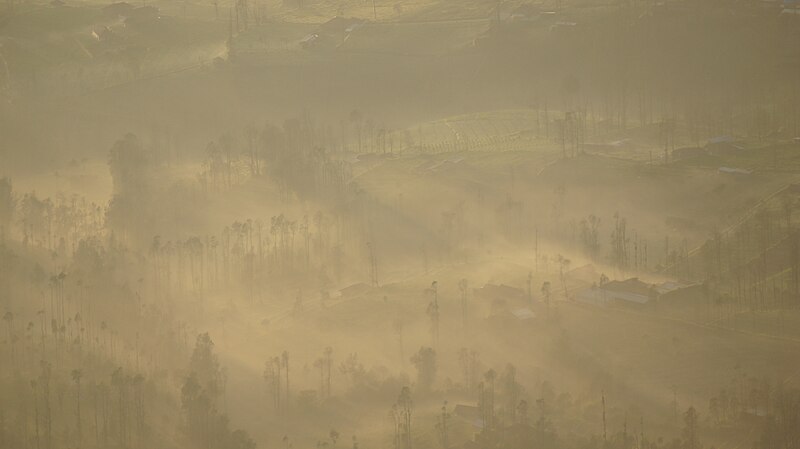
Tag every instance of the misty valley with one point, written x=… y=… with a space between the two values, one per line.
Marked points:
x=400 y=224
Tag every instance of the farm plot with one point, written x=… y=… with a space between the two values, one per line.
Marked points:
x=513 y=130
x=420 y=38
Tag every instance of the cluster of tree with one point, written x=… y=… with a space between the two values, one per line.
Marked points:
x=56 y=406
x=752 y=266
x=86 y=353
x=200 y=393
x=748 y=397
x=276 y=374
x=781 y=427
x=246 y=254
x=293 y=155
x=7 y=206
x=505 y=420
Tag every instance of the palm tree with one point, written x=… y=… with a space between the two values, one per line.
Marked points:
x=285 y=362
x=104 y=402
x=41 y=314
x=433 y=312
x=328 y=366
x=334 y=435
x=138 y=385
x=104 y=328
x=34 y=386
x=563 y=264
x=320 y=363
x=119 y=381
x=462 y=287
x=442 y=425
x=397 y=325
x=403 y=410
x=373 y=265
x=546 y=293
x=690 y=430
x=9 y=319
x=44 y=380
x=95 y=389
x=76 y=377
x=60 y=284
x=490 y=377
x=6 y=206
x=276 y=362
x=273 y=379
x=356 y=118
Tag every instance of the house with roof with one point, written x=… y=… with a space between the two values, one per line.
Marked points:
x=104 y=34
x=309 y=40
x=505 y=316
x=636 y=293
x=355 y=290
x=630 y=292
x=502 y=291
x=117 y=10
x=507 y=305
x=144 y=13
x=527 y=11
x=523 y=314
x=469 y=414
x=723 y=145
x=586 y=273
x=734 y=171
x=687 y=153
x=676 y=293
